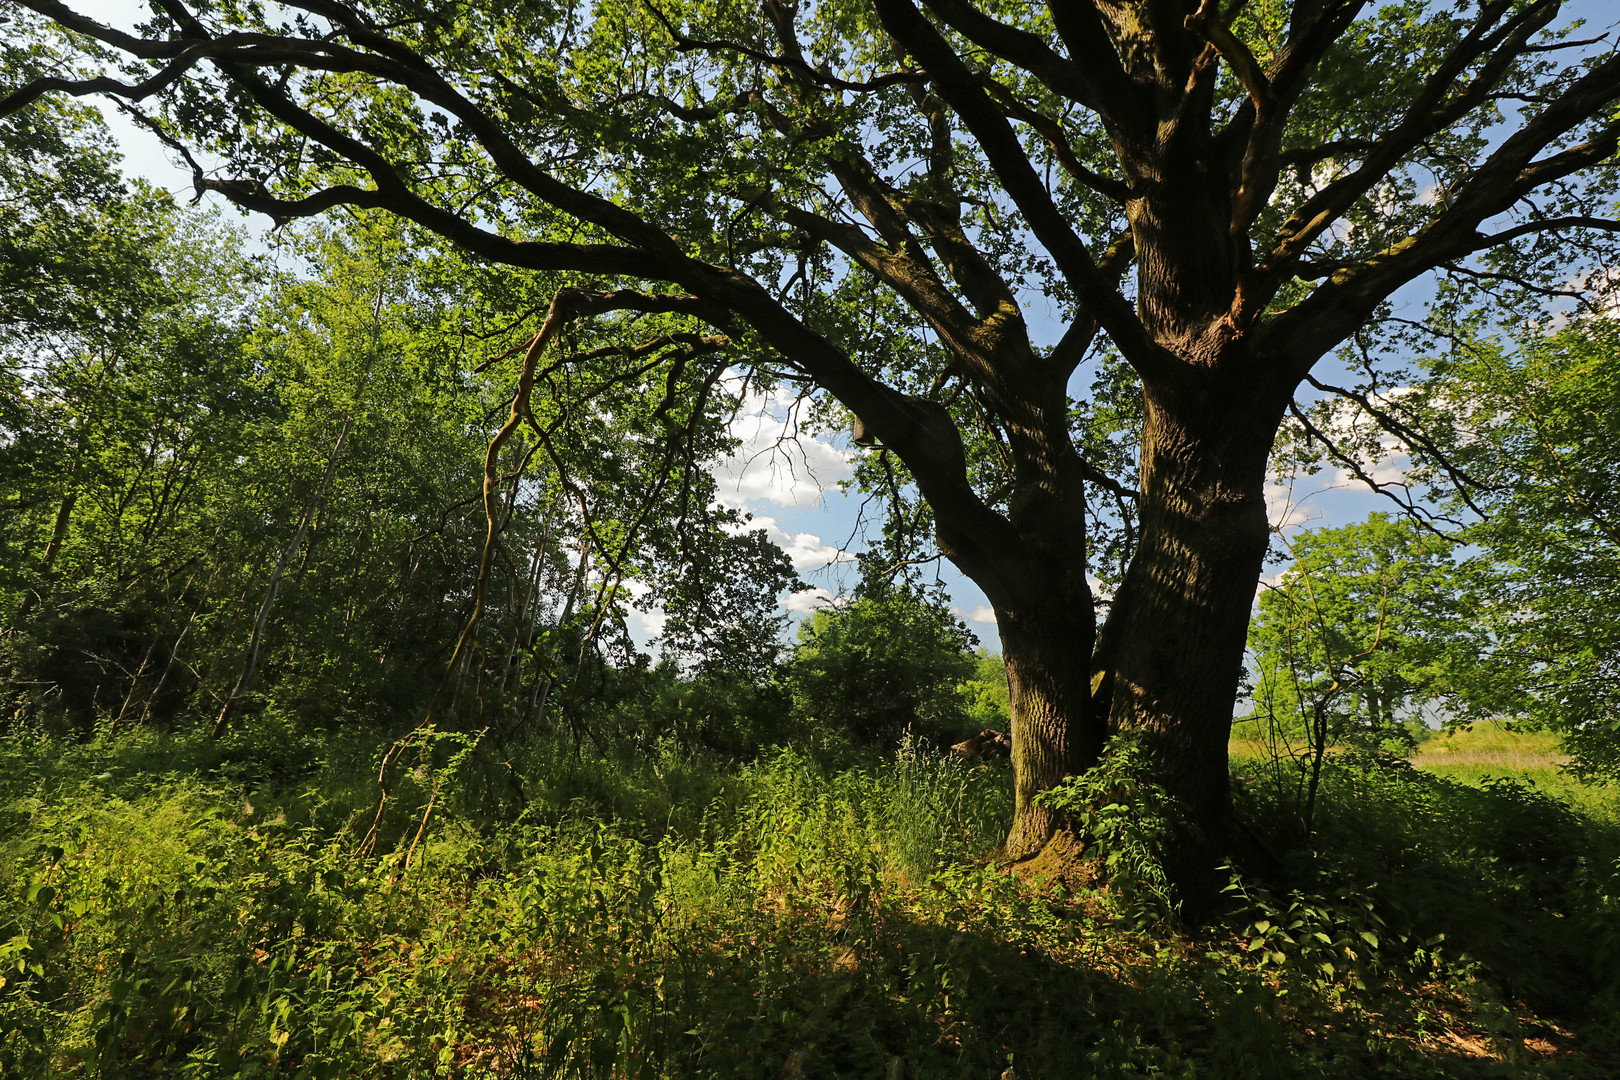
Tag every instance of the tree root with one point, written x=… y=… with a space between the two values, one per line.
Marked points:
x=1060 y=861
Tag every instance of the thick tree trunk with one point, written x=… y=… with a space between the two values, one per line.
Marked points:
x=1167 y=663
x=1184 y=610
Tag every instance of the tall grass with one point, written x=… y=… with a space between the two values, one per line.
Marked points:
x=1490 y=749
x=174 y=907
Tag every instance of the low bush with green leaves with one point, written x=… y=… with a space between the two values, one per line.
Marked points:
x=1129 y=825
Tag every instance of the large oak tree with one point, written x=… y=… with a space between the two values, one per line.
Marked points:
x=871 y=197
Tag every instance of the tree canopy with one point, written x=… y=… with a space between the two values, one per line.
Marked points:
x=1358 y=630
x=1533 y=423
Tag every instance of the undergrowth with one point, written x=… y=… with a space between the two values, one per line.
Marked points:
x=170 y=906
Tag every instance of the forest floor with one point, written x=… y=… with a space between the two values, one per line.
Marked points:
x=171 y=906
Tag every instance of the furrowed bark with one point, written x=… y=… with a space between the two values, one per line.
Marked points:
x=1055 y=733
x=1188 y=593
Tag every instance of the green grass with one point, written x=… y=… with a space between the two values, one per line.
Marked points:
x=1486 y=752
x=1472 y=753
x=1483 y=752
x=1532 y=757
x=174 y=907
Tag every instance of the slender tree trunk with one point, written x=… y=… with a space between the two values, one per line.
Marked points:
x=59 y=531
x=544 y=681
x=174 y=653
x=134 y=684
x=407 y=574
x=521 y=621
x=250 y=665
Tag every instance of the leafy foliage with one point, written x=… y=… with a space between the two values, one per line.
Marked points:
x=310 y=449
x=887 y=661
x=1360 y=625
x=424 y=478
x=872 y=201
x=1130 y=826
x=1363 y=639
x=1537 y=427
x=1497 y=882
x=987 y=698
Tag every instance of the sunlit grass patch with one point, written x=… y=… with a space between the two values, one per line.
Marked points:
x=1492 y=749
x=1474 y=755
x=1487 y=751
x=1245 y=748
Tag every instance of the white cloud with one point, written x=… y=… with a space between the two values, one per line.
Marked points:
x=645 y=626
x=982 y=613
x=1389 y=470
x=1599 y=284
x=806 y=602
x=1286 y=512
x=1349 y=425
x=777 y=462
x=807 y=550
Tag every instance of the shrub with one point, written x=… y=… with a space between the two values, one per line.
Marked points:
x=881 y=664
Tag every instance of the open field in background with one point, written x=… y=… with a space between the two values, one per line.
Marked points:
x=1488 y=751
x=1491 y=749
x=1530 y=757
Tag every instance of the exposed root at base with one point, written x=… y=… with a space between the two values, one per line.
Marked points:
x=1060 y=861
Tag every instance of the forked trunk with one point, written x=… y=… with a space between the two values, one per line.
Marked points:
x=1170 y=657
